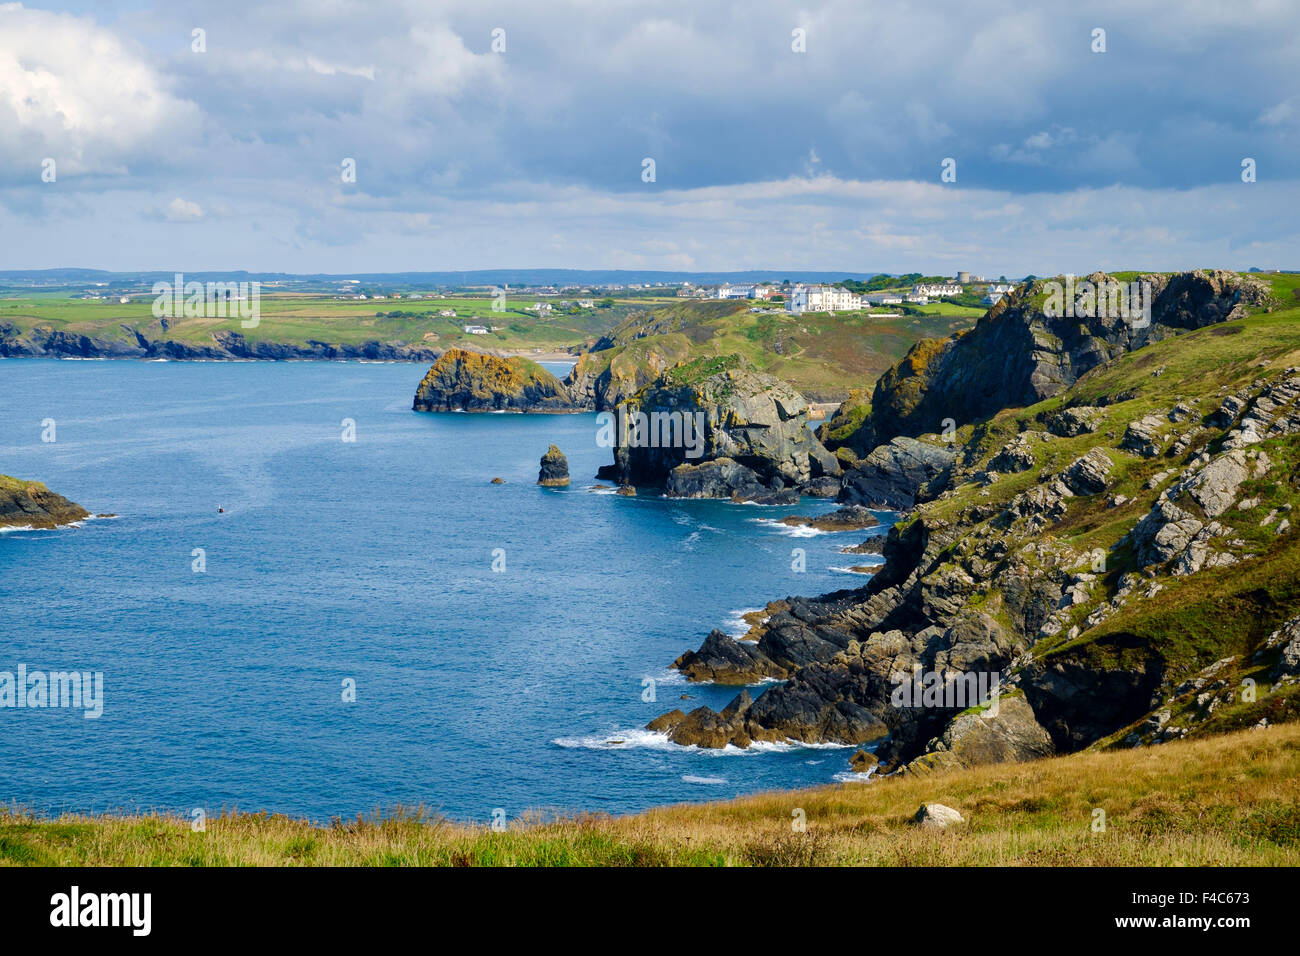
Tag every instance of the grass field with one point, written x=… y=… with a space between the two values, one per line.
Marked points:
x=1232 y=800
x=296 y=319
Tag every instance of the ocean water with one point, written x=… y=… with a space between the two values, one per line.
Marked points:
x=368 y=561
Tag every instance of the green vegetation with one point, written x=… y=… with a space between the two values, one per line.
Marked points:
x=823 y=355
x=1231 y=800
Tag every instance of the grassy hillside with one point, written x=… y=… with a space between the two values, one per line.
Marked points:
x=1232 y=800
x=824 y=355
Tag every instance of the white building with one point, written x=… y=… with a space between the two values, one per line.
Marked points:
x=728 y=291
x=884 y=298
x=822 y=298
x=937 y=290
x=1001 y=287
x=475 y=330
x=763 y=292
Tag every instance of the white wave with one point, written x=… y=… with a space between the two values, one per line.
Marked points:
x=650 y=740
x=791 y=531
x=17 y=529
x=851 y=571
x=852 y=776
x=736 y=625
x=691 y=778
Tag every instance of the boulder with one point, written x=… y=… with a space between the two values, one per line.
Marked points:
x=1087 y=474
x=935 y=816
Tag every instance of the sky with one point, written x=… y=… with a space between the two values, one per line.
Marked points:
x=500 y=134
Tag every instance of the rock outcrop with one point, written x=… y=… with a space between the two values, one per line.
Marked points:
x=462 y=381
x=1017 y=354
x=715 y=428
x=29 y=504
x=555 y=469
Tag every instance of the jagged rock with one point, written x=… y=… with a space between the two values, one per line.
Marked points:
x=29 y=504
x=863 y=761
x=473 y=382
x=747 y=433
x=665 y=723
x=1017 y=456
x=1143 y=436
x=555 y=469
x=719 y=478
x=935 y=816
x=1227 y=412
x=895 y=476
x=1017 y=355
x=848 y=518
x=1072 y=422
x=1163 y=532
x=1087 y=474
x=1287 y=637
x=724 y=660
x=1214 y=487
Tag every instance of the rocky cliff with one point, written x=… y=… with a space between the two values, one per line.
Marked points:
x=718 y=428
x=1024 y=350
x=29 y=504
x=474 y=382
x=1119 y=561
x=46 y=342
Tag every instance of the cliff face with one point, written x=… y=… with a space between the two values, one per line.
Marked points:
x=29 y=504
x=1119 y=559
x=1017 y=354
x=738 y=432
x=474 y=382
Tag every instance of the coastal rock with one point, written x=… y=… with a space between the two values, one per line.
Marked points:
x=724 y=660
x=554 y=472
x=896 y=475
x=29 y=504
x=474 y=382
x=716 y=428
x=848 y=518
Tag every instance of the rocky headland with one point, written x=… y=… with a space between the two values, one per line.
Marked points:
x=29 y=504
x=463 y=381
x=1066 y=540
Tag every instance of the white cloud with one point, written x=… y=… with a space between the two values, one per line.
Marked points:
x=182 y=210
x=73 y=91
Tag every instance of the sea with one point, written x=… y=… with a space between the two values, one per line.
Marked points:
x=312 y=600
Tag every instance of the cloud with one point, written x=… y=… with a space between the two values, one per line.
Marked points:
x=73 y=91
x=471 y=158
x=182 y=210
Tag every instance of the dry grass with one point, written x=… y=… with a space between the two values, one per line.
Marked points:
x=1227 y=801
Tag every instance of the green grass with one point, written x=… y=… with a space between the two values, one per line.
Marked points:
x=1230 y=800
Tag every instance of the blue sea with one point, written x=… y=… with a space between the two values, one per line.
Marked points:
x=365 y=563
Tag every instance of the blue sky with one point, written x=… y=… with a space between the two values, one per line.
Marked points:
x=1066 y=159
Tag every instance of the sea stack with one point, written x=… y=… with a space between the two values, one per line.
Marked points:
x=555 y=469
